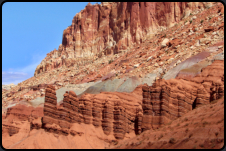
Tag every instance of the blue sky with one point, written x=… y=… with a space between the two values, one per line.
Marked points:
x=30 y=30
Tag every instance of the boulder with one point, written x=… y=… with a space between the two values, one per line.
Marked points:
x=164 y=42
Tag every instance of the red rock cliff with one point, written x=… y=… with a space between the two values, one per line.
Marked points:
x=114 y=26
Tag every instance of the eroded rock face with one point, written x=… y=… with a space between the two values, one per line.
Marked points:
x=111 y=27
x=167 y=100
x=18 y=112
x=117 y=113
x=120 y=113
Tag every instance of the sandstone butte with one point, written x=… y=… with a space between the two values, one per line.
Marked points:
x=180 y=42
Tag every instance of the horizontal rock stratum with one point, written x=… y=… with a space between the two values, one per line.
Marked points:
x=121 y=113
x=112 y=27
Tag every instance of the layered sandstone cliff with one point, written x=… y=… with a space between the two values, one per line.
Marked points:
x=120 y=113
x=112 y=27
x=167 y=100
x=114 y=113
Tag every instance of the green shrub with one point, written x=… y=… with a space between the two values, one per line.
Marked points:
x=201 y=21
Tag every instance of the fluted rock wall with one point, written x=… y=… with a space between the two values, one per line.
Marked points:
x=167 y=100
x=107 y=117
x=114 y=116
x=120 y=113
x=113 y=26
x=97 y=112
x=119 y=127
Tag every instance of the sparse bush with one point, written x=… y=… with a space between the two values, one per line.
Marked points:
x=220 y=120
x=110 y=61
x=201 y=145
x=116 y=142
x=205 y=123
x=185 y=119
x=201 y=21
x=191 y=14
x=215 y=101
x=160 y=137
x=169 y=123
x=210 y=18
x=216 y=133
x=211 y=115
x=149 y=143
x=172 y=140
x=186 y=130
x=213 y=145
x=190 y=21
x=186 y=124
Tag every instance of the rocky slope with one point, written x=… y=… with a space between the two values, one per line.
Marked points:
x=111 y=27
x=9 y=86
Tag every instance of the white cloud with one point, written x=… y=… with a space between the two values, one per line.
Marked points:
x=13 y=77
x=20 y=74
